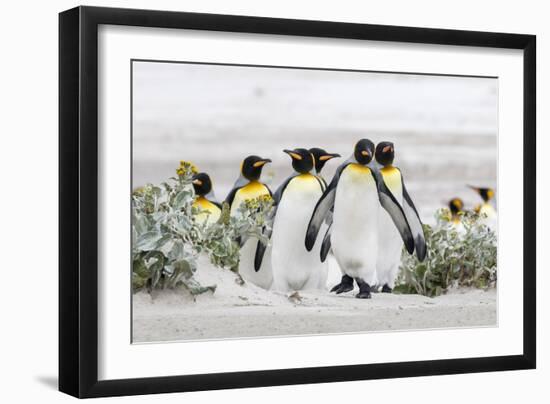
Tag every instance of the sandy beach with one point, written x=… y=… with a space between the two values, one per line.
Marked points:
x=236 y=311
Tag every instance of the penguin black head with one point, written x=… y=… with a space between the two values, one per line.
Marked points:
x=364 y=151
x=486 y=193
x=302 y=160
x=202 y=184
x=251 y=167
x=321 y=157
x=455 y=206
x=385 y=153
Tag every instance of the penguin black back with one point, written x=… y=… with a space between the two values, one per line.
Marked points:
x=364 y=151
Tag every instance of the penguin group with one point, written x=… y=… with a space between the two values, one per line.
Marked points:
x=364 y=216
x=485 y=209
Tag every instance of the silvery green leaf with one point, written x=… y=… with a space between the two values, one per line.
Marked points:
x=141 y=224
x=165 y=239
x=148 y=241
x=183 y=268
x=196 y=288
x=184 y=196
x=176 y=251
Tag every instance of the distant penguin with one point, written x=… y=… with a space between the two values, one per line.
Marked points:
x=205 y=199
x=355 y=193
x=295 y=268
x=456 y=206
x=486 y=209
x=390 y=242
x=248 y=186
x=321 y=157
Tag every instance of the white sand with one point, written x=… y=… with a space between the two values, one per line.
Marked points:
x=235 y=311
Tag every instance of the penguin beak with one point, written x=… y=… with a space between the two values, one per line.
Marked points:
x=329 y=156
x=197 y=182
x=293 y=154
x=261 y=163
x=474 y=188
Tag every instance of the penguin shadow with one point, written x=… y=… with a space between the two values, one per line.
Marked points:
x=50 y=382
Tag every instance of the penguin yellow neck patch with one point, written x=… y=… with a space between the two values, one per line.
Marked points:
x=305 y=183
x=359 y=168
x=392 y=177
x=205 y=204
x=252 y=190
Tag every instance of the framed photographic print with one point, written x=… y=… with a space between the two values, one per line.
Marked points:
x=250 y=201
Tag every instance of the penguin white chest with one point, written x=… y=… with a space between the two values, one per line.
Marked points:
x=355 y=226
x=489 y=216
x=295 y=268
x=390 y=243
x=264 y=277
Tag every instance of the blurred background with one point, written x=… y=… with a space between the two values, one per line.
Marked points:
x=444 y=128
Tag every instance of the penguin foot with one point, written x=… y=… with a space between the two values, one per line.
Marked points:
x=295 y=298
x=386 y=289
x=344 y=286
x=239 y=280
x=364 y=289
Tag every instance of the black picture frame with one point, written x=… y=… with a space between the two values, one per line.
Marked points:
x=78 y=201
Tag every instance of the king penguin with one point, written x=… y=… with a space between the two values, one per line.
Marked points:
x=205 y=199
x=321 y=157
x=390 y=242
x=355 y=193
x=295 y=268
x=486 y=209
x=456 y=206
x=248 y=186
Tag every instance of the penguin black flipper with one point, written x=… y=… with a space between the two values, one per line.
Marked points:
x=394 y=209
x=323 y=207
x=261 y=247
x=322 y=182
x=231 y=196
x=325 y=247
x=414 y=222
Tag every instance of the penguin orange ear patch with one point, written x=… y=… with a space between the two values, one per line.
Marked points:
x=325 y=158
x=387 y=149
x=295 y=155
x=365 y=153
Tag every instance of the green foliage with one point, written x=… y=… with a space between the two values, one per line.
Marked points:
x=167 y=239
x=456 y=257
